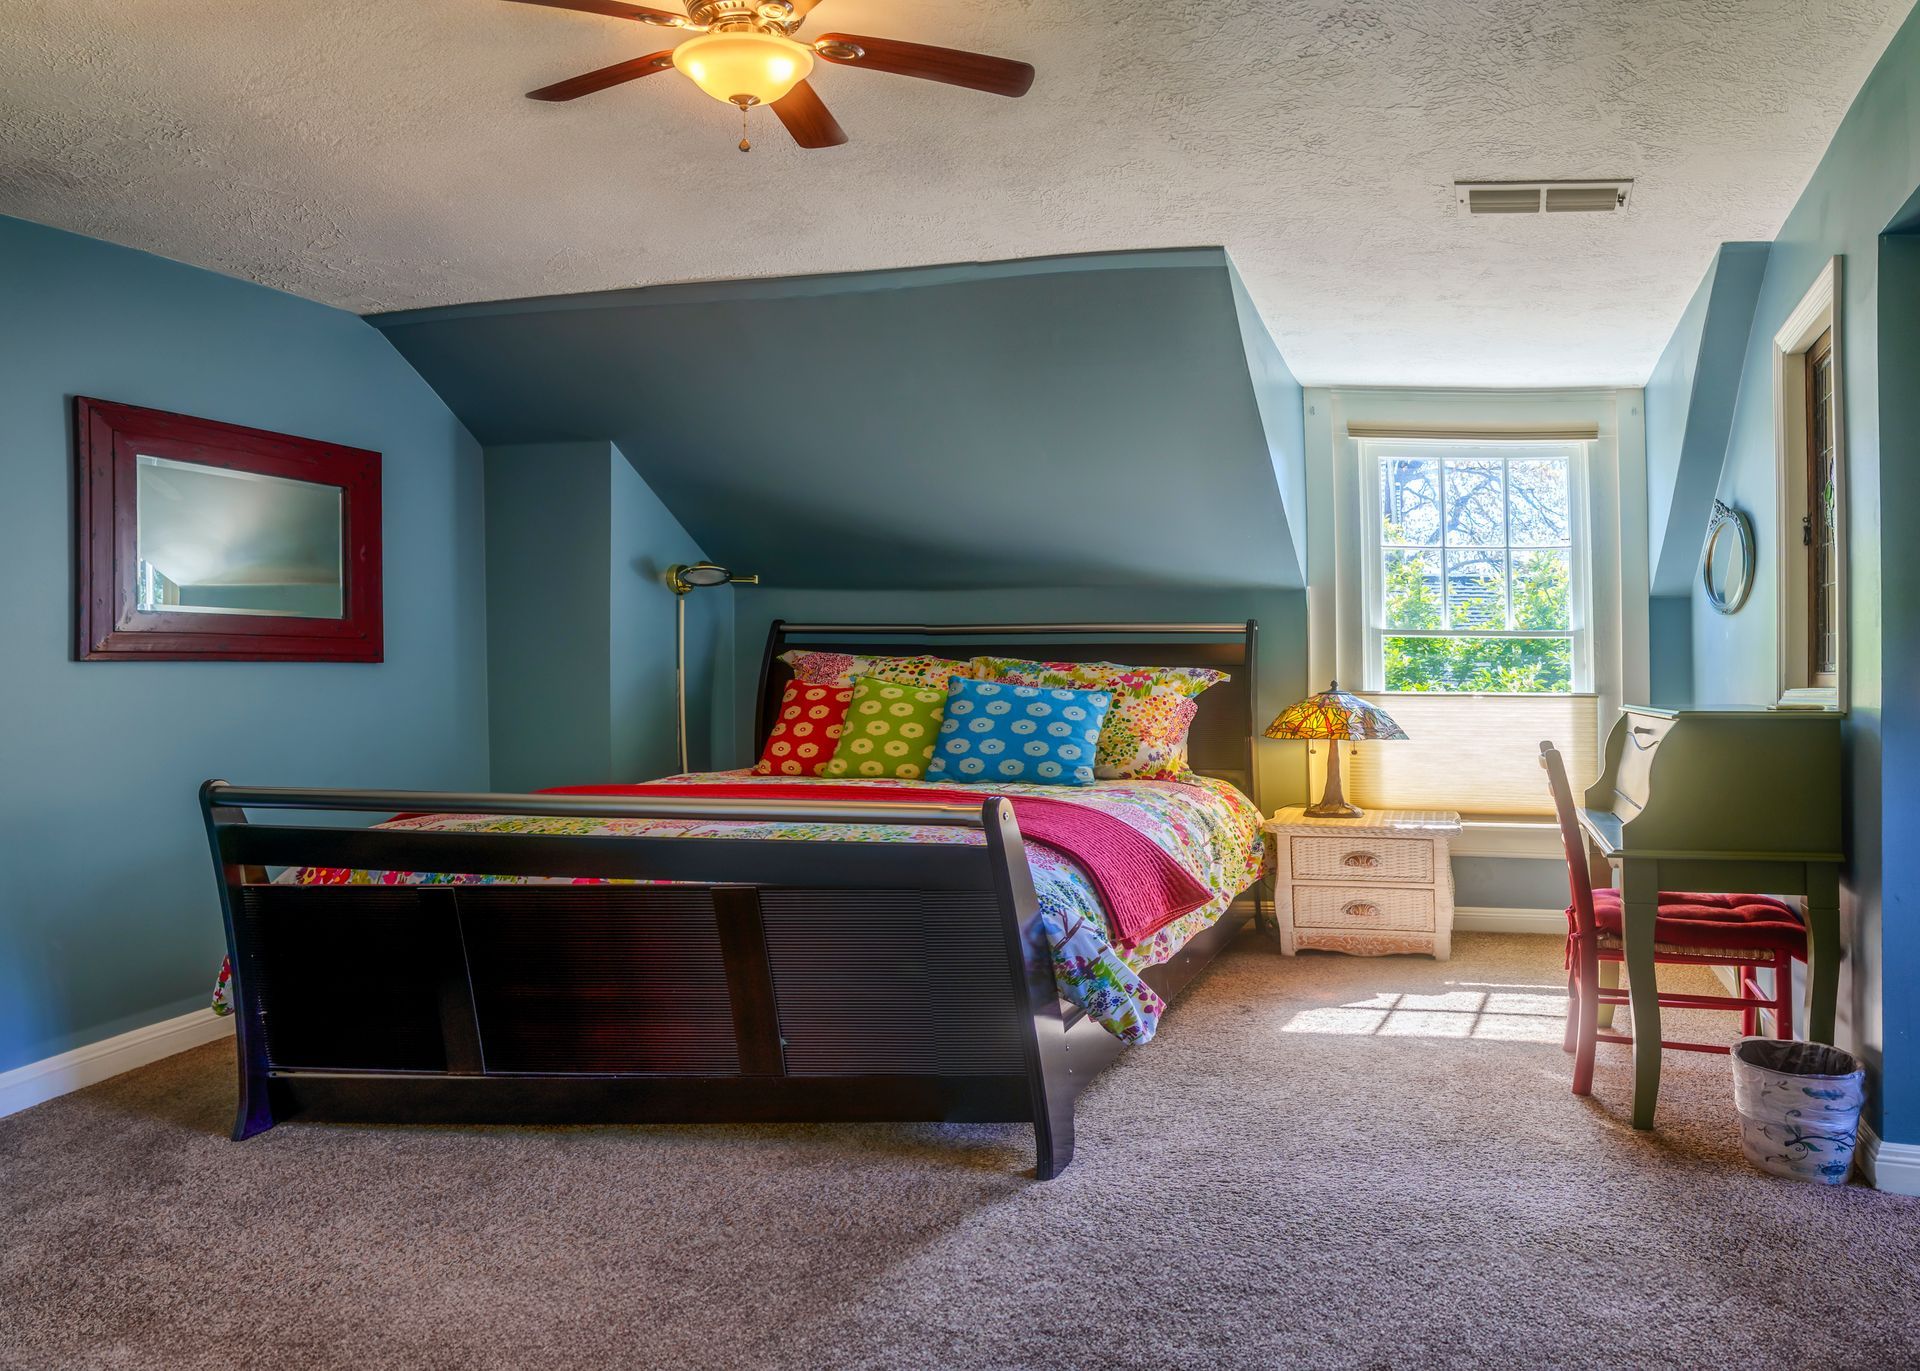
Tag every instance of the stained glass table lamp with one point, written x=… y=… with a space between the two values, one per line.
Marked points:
x=1334 y=715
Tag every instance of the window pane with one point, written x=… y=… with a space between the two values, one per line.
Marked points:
x=1823 y=563
x=1414 y=598
x=1476 y=589
x=1542 y=590
x=1410 y=501
x=1519 y=665
x=1537 y=503
x=1476 y=504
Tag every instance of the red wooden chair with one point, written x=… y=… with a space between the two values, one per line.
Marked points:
x=1745 y=932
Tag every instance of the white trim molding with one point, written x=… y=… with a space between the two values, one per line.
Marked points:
x=1543 y=921
x=1338 y=607
x=37 y=1082
x=1818 y=312
x=1892 y=1167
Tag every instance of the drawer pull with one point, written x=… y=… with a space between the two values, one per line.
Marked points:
x=1361 y=909
x=1361 y=859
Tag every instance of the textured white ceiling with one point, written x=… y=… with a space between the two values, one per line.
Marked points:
x=378 y=154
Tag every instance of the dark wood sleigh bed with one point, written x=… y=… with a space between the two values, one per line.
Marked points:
x=774 y=981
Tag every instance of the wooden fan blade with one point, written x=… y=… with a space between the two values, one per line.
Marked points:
x=576 y=86
x=976 y=71
x=615 y=9
x=808 y=119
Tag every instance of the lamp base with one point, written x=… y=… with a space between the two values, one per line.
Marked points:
x=1337 y=810
x=1333 y=800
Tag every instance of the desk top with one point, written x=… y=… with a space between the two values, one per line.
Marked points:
x=1606 y=829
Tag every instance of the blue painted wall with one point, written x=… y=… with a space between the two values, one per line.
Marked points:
x=1867 y=176
x=580 y=623
x=1896 y=771
x=1509 y=883
x=108 y=918
x=646 y=539
x=1089 y=421
x=1670 y=651
x=1690 y=401
x=1281 y=404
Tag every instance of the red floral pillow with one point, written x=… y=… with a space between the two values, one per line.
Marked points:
x=807 y=731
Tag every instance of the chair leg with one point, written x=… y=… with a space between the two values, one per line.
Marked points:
x=1783 y=995
x=1747 y=984
x=1586 y=1009
x=1609 y=979
x=1571 y=1036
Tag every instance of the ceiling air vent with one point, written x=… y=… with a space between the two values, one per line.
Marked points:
x=1538 y=197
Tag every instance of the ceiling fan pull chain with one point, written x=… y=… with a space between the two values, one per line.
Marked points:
x=745 y=146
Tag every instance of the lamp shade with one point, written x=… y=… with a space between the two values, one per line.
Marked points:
x=744 y=67
x=1333 y=713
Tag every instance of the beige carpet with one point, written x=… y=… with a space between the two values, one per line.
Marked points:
x=1323 y=1162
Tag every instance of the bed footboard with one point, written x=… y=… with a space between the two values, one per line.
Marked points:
x=772 y=981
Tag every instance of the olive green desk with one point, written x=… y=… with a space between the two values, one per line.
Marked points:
x=1730 y=800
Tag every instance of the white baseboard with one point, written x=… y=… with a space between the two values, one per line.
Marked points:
x=36 y=1082
x=1893 y=1167
x=1552 y=921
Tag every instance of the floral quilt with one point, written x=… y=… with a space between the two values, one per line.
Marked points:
x=1206 y=825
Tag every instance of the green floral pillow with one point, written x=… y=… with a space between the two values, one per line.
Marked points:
x=890 y=731
x=1145 y=735
x=839 y=668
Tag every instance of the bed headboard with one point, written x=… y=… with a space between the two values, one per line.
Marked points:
x=1220 y=742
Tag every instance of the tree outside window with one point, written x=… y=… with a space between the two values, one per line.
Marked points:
x=1476 y=572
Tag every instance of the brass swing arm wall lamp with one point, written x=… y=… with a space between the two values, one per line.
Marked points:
x=683 y=579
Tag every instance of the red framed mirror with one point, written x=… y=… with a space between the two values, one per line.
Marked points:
x=202 y=541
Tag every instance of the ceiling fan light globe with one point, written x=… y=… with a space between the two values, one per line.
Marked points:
x=761 y=67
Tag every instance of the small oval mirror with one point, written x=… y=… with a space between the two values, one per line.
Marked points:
x=1726 y=570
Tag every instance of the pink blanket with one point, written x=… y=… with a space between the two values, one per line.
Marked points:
x=1143 y=888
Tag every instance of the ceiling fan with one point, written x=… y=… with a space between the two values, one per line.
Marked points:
x=744 y=54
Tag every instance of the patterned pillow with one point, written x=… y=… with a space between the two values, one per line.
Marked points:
x=808 y=729
x=1145 y=737
x=996 y=732
x=889 y=731
x=839 y=668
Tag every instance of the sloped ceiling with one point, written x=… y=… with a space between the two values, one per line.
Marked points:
x=379 y=154
x=1690 y=403
x=1077 y=422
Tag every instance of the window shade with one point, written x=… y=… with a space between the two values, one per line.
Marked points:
x=1479 y=754
x=1478 y=433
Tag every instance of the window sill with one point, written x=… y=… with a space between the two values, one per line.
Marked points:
x=1508 y=835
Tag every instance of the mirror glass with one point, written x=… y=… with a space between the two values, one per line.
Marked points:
x=213 y=540
x=1723 y=558
x=1727 y=568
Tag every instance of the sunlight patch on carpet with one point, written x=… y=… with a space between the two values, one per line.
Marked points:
x=1516 y=1014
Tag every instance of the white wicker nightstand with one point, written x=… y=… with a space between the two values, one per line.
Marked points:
x=1378 y=884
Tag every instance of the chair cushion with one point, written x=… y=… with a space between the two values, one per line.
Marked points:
x=1713 y=921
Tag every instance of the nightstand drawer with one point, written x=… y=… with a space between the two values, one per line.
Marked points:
x=1354 y=908
x=1363 y=858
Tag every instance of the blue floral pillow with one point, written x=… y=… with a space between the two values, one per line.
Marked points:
x=996 y=732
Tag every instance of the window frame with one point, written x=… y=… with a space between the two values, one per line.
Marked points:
x=1372 y=451
x=1817 y=314
x=1818 y=441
